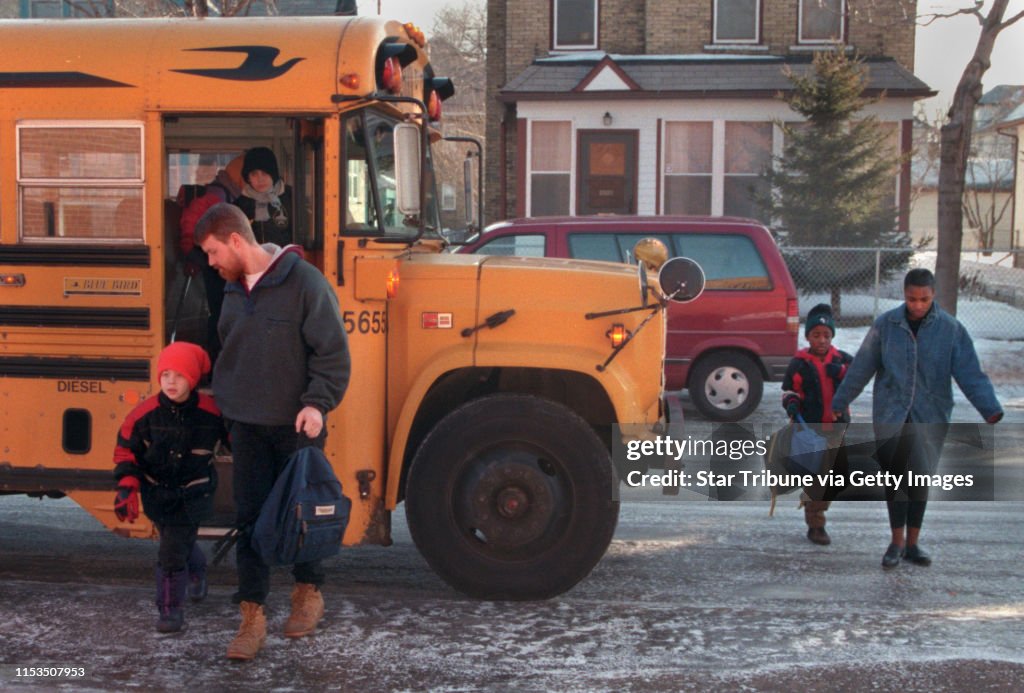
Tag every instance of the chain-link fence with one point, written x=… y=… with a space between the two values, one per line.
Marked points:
x=864 y=282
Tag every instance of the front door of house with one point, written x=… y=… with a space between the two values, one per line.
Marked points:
x=607 y=168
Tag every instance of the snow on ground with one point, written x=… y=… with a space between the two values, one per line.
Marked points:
x=691 y=596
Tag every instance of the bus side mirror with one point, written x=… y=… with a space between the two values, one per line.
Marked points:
x=408 y=157
x=681 y=280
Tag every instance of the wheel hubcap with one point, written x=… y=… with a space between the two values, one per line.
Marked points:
x=726 y=387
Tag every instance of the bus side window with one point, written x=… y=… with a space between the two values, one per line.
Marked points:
x=80 y=182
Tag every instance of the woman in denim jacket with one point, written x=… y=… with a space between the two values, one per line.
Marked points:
x=914 y=352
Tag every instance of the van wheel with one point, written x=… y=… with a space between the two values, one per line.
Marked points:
x=726 y=386
x=510 y=497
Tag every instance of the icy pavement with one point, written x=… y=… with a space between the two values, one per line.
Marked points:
x=691 y=596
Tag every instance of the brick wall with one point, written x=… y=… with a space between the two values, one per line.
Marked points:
x=678 y=26
x=884 y=28
x=621 y=26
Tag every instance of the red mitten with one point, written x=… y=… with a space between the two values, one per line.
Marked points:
x=126 y=504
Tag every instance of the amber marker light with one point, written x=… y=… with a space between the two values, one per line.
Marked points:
x=434 y=106
x=415 y=34
x=392 y=283
x=618 y=335
x=12 y=279
x=350 y=81
x=391 y=75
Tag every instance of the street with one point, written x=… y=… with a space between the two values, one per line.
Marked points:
x=699 y=595
x=691 y=596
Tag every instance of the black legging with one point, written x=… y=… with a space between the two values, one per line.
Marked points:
x=916 y=448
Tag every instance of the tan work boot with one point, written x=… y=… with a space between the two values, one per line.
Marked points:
x=251 y=634
x=307 y=610
x=814 y=515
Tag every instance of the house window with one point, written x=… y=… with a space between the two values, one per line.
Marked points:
x=550 y=167
x=688 y=156
x=748 y=151
x=575 y=24
x=80 y=182
x=737 y=21
x=822 y=21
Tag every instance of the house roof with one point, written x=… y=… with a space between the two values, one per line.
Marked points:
x=599 y=75
x=1001 y=93
x=1014 y=117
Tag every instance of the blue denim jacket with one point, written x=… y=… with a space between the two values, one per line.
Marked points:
x=913 y=377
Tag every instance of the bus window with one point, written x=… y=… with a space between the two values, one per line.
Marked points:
x=370 y=180
x=382 y=160
x=360 y=212
x=80 y=182
x=195 y=168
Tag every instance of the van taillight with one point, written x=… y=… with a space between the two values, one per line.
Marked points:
x=792 y=316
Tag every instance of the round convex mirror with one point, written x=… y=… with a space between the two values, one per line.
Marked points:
x=681 y=280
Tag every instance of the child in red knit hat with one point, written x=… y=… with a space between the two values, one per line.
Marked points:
x=165 y=454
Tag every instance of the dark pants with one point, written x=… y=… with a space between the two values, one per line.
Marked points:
x=260 y=454
x=176 y=542
x=916 y=448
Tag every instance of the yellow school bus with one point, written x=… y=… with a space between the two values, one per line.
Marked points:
x=484 y=391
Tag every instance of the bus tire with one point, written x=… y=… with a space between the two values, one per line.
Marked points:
x=511 y=497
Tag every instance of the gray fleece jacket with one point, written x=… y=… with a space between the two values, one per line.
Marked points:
x=284 y=345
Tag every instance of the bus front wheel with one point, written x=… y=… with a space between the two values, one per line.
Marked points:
x=511 y=497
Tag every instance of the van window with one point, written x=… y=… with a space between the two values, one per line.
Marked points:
x=594 y=246
x=610 y=247
x=730 y=262
x=526 y=245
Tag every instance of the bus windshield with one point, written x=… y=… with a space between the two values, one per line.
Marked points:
x=369 y=157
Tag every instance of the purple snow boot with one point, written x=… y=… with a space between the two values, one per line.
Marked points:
x=196 y=574
x=170 y=600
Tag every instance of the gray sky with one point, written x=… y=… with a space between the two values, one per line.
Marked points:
x=943 y=48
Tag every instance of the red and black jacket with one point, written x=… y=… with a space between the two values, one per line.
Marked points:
x=169 y=447
x=811 y=382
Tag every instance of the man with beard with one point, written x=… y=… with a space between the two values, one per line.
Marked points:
x=284 y=364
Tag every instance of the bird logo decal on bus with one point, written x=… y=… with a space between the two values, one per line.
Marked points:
x=258 y=64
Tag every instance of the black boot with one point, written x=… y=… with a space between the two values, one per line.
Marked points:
x=196 y=574
x=170 y=600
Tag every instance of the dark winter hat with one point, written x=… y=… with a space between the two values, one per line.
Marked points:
x=260 y=159
x=820 y=314
x=186 y=358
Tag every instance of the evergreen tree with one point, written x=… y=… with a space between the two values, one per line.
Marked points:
x=834 y=184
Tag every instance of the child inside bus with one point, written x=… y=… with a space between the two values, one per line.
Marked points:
x=164 y=453
x=265 y=199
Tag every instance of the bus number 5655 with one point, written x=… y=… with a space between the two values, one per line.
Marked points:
x=366 y=321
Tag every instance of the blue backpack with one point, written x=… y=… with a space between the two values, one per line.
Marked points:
x=305 y=515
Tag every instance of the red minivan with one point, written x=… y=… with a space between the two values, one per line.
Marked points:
x=722 y=347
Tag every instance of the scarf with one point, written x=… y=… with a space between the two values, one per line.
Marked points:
x=267 y=201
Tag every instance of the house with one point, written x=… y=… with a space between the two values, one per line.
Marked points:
x=617 y=106
x=1012 y=126
x=989 y=179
